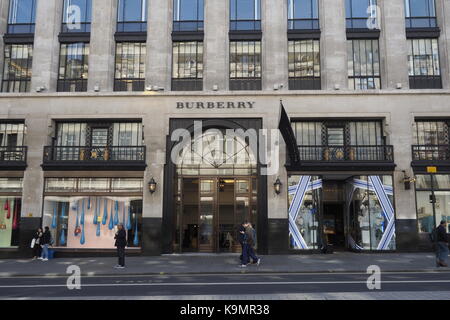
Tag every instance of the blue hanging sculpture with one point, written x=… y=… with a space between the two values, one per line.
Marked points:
x=136 y=238
x=116 y=214
x=89 y=203
x=123 y=218
x=105 y=212
x=96 y=213
x=111 y=219
x=54 y=225
x=129 y=218
x=82 y=239
x=82 y=213
x=77 y=224
x=62 y=239
x=98 y=230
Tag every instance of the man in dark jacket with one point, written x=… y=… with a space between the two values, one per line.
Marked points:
x=251 y=244
x=46 y=241
x=121 y=243
x=244 y=244
x=442 y=245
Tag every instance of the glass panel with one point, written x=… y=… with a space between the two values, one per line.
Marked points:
x=10 y=220
x=85 y=9
x=91 y=222
x=93 y=184
x=335 y=136
x=424 y=212
x=60 y=185
x=227 y=225
x=22 y=11
x=206 y=243
x=127 y=185
x=11 y=185
x=132 y=10
x=442 y=207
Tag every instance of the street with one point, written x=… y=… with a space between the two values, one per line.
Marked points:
x=394 y=285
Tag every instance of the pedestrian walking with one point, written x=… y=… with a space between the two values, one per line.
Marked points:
x=46 y=241
x=36 y=244
x=441 y=245
x=121 y=243
x=251 y=244
x=244 y=245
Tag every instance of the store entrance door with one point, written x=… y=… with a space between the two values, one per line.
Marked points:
x=212 y=209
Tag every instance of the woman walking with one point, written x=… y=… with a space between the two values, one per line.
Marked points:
x=36 y=244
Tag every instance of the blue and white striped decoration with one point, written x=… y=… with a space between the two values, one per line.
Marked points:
x=299 y=191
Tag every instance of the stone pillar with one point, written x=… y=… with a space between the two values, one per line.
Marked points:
x=46 y=45
x=333 y=44
x=274 y=45
x=443 y=15
x=159 y=44
x=216 y=50
x=401 y=137
x=3 y=28
x=102 y=46
x=155 y=130
x=36 y=138
x=277 y=204
x=393 y=45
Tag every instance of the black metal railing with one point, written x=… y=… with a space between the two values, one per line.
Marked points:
x=303 y=24
x=129 y=84
x=245 y=25
x=13 y=155
x=346 y=153
x=16 y=85
x=187 y=84
x=425 y=82
x=431 y=152
x=132 y=26
x=421 y=22
x=72 y=85
x=21 y=28
x=188 y=25
x=82 y=154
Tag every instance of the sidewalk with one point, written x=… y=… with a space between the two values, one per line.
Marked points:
x=224 y=263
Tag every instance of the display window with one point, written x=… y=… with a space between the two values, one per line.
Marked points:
x=10 y=211
x=85 y=212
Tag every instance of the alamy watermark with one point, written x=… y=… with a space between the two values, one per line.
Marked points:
x=74 y=280
x=374 y=280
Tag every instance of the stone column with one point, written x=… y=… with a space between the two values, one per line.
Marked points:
x=393 y=45
x=333 y=44
x=274 y=45
x=3 y=28
x=46 y=45
x=102 y=46
x=159 y=44
x=36 y=138
x=155 y=129
x=443 y=15
x=401 y=137
x=216 y=51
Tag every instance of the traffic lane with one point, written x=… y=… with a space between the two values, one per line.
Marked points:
x=219 y=285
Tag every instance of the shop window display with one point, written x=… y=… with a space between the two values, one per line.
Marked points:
x=10 y=211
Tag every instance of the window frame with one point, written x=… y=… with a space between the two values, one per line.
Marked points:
x=24 y=83
x=300 y=82
x=237 y=24
x=78 y=84
x=128 y=25
x=130 y=83
x=352 y=21
x=375 y=75
x=313 y=21
x=14 y=27
x=85 y=26
x=432 y=19
x=180 y=25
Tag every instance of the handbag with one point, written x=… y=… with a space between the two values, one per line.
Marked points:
x=33 y=243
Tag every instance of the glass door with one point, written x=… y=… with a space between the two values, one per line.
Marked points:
x=207 y=204
x=226 y=219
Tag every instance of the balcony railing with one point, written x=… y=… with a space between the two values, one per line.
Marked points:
x=347 y=153
x=13 y=155
x=431 y=153
x=94 y=155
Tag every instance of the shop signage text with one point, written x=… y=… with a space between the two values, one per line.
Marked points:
x=216 y=105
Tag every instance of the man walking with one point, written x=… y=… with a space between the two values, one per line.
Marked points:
x=251 y=244
x=243 y=241
x=46 y=240
x=121 y=243
x=442 y=245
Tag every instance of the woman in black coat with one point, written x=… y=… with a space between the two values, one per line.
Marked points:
x=121 y=243
x=37 y=244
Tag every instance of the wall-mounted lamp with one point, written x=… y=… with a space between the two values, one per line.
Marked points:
x=152 y=186
x=277 y=186
x=407 y=180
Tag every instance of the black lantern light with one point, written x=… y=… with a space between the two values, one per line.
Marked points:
x=152 y=186
x=407 y=180
x=277 y=186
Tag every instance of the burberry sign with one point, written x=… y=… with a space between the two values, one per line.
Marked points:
x=216 y=105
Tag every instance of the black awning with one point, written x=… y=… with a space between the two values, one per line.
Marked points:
x=285 y=128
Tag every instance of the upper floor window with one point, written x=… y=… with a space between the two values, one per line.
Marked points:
x=188 y=15
x=245 y=15
x=132 y=16
x=12 y=134
x=22 y=15
x=187 y=70
x=17 y=68
x=73 y=67
x=360 y=13
x=77 y=16
x=363 y=64
x=423 y=60
x=431 y=133
x=130 y=66
x=420 y=14
x=304 y=65
x=303 y=14
x=245 y=65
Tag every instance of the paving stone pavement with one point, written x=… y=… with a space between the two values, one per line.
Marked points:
x=224 y=263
